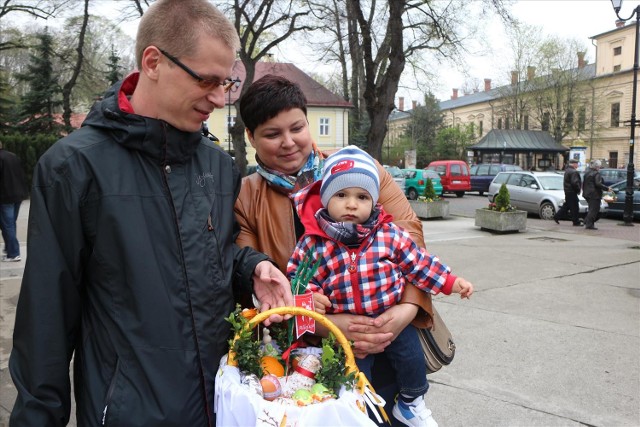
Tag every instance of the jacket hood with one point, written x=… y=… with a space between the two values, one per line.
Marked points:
x=307 y=202
x=153 y=137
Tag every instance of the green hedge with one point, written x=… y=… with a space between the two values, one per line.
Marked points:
x=28 y=148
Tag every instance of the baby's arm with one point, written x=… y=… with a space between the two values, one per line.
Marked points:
x=462 y=287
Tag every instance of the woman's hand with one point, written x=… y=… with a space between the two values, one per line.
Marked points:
x=372 y=335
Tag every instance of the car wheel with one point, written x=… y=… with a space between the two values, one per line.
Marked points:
x=412 y=194
x=459 y=193
x=547 y=211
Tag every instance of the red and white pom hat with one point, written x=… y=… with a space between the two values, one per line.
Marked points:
x=349 y=167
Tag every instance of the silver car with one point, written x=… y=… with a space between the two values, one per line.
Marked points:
x=536 y=192
x=398 y=176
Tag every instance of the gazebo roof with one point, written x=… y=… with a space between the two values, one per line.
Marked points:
x=518 y=140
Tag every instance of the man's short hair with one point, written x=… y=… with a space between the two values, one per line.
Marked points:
x=574 y=161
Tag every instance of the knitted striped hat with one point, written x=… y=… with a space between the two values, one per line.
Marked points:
x=349 y=167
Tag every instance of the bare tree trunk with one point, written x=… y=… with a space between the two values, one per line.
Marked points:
x=68 y=87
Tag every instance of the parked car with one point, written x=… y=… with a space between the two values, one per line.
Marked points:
x=416 y=181
x=612 y=176
x=540 y=193
x=482 y=174
x=454 y=175
x=616 y=208
x=397 y=174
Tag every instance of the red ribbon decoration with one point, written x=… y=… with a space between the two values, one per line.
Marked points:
x=307 y=373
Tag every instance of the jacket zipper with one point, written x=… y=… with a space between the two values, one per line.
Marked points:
x=355 y=280
x=112 y=387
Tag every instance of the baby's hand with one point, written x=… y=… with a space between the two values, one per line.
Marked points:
x=462 y=287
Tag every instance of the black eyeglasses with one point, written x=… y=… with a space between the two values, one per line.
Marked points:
x=206 y=84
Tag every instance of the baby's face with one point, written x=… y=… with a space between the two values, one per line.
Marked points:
x=353 y=204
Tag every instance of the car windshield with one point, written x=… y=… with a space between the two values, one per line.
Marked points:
x=551 y=182
x=395 y=172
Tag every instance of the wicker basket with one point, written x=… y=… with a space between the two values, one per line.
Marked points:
x=235 y=405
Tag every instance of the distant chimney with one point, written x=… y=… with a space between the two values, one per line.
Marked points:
x=619 y=23
x=487 y=85
x=414 y=104
x=581 y=62
x=401 y=102
x=455 y=94
x=531 y=72
x=514 y=78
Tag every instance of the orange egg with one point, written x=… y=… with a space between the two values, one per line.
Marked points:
x=249 y=313
x=271 y=388
x=270 y=365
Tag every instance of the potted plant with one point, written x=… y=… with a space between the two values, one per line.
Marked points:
x=500 y=215
x=429 y=204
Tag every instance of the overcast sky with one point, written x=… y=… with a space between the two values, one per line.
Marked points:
x=579 y=19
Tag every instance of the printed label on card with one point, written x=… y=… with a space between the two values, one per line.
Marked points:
x=304 y=323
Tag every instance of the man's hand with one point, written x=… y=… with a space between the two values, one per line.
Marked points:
x=272 y=289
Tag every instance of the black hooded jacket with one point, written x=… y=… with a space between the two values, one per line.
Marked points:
x=131 y=261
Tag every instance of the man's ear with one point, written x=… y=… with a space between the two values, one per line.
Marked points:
x=150 y=62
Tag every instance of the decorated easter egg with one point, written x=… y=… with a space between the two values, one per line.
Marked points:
x=271 y=365
x=249 y=313
x=271 y=387
x=302 y=397
x=320 y=393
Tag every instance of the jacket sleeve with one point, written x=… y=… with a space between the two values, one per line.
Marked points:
x=245 y=258
x=48 y=312
x=599 y=182
x=576 y=182
x=418 y=266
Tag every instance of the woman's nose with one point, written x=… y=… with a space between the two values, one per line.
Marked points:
x=287 y=139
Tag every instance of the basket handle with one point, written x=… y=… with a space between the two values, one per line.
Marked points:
x=350 y=362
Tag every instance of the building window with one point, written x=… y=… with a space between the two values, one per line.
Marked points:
x=616 y=68
x=545 y=122
x=500 y=123
x=569 y=119
x=582 y=118
x=324 y=126
x=526 y=122
x=480 y=127
x=617 y=51
x=613 y=159
x=615 y=114
x=506 y=123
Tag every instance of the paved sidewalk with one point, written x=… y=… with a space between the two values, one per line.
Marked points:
x=550 y=338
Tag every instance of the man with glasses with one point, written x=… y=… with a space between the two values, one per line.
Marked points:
x=132 y=265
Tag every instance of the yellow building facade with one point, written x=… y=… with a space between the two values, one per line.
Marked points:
x=606 y=88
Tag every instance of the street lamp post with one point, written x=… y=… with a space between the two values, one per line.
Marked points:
x=233 y=88
x=628 y=202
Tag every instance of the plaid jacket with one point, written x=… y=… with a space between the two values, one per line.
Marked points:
x=370 y=278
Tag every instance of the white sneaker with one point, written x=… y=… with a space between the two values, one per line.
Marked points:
x=14 y=259
x=415 y=414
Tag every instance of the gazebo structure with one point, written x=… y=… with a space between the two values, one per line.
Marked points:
x=530 y=149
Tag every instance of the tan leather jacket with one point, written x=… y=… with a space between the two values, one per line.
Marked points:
x=266 y=223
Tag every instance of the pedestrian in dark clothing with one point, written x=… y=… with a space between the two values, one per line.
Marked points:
x=13 y=190
x=132 y=263
x=592 y=191
x=572 y=186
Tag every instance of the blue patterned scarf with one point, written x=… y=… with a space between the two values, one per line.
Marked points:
x=347 y=232
x=310 y=173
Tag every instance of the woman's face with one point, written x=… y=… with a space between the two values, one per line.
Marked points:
x=283 y=143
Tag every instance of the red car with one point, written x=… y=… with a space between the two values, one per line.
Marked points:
x=454 y=175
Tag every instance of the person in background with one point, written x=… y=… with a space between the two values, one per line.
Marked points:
x=365 y=260
x=572 y=186
x=13 y=190
x=592 y=189
x=132 y=265
x=274 y=111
